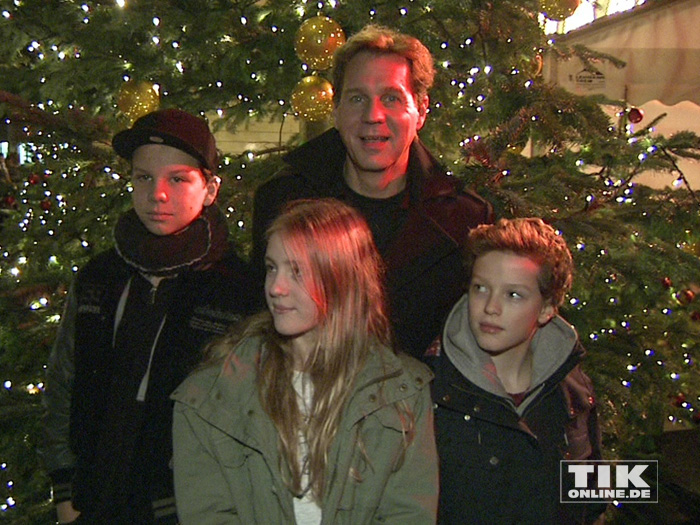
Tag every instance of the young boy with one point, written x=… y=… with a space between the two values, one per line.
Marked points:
x=135 y=321
x=511 y=398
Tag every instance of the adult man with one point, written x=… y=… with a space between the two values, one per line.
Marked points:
x=374 y=160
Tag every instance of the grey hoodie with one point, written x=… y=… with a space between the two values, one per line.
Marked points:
x=551 y=346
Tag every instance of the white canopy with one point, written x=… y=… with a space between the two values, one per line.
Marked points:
x=659 y=41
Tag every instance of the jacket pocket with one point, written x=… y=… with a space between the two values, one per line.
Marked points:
x=231 y=453
x=578 y=439
x=397 y=416
x=471 y=450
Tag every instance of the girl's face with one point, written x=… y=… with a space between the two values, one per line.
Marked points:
x=169 y=188
x=505 y=303
x=294 y=312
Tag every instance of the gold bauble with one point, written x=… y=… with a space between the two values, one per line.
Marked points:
x=558 y=9
x=316 y=40
x=137 y=99
x=312 y=98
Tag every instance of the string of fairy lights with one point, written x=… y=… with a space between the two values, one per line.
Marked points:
x=311 y=100
x=317 y=39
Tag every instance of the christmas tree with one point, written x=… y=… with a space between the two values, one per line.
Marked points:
x=75 y=73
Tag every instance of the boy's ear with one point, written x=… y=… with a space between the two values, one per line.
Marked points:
x=548 y=311
x=212 y=186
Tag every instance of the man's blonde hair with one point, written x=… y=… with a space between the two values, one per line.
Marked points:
x=383 y=40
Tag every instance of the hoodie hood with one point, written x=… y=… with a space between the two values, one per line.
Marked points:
x=552 y=345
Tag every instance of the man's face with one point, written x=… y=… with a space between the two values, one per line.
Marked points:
x=378 y=115
x=169 y=188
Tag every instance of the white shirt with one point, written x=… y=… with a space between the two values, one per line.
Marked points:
x=306 y=510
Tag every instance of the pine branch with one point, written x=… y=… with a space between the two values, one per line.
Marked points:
x=75 y=124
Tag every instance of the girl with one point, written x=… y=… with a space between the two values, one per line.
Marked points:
x=309 y=415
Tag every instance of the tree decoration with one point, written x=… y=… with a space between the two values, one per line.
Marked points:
x=635 y=115
x=685 y=297
x=678 y=399
x=312 y=98
x=45 y=204
x=136 y=99
x=559 y=9
x=33 y=179
x=691 y=247
x=695 y=316
x=479 y=151
x=536 y=65
x=316 y=40
x=9 y=201
x=666 y=282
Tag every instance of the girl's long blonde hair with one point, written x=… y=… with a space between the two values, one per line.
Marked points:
x=342 y=271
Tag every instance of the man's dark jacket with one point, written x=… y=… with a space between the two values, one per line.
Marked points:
x=424 y=260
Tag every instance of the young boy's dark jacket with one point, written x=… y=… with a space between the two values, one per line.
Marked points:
x=500 y=463
x=123 y=346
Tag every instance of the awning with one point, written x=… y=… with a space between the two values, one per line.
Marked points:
x=659 y=41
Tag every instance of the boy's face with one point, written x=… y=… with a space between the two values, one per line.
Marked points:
x=169 y=188
x=505 y=303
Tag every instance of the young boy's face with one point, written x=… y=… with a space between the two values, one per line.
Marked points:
x=169 y=188
x=505 y=303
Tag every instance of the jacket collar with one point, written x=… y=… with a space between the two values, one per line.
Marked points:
x=553 y=346
x=426 y=179
x=452 y=390
x=386 y=378
x=226 y=396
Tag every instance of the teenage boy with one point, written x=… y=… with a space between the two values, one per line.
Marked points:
x=511 y=398
x=135 y=321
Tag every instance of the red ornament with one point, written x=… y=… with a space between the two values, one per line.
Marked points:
x=34 y=178
x=695 y=316
x=45 y=204
x=635 y=115
x=666 y=281
x=9 y=201
x=678 y=399
x=478 y=150
x=685 y=297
